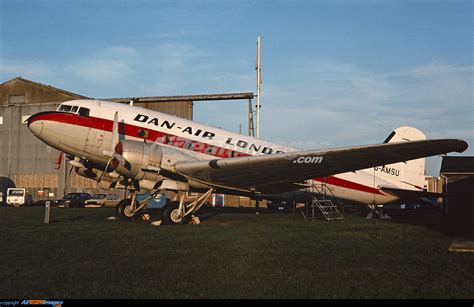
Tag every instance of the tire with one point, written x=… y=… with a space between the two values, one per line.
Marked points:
x=169 y=214
x=122 y=210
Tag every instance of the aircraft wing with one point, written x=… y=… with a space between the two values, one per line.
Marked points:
x=284 y=172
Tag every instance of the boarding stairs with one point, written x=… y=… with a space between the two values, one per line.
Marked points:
x=324 y=200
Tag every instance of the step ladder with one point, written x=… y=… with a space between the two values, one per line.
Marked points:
x=327 y=208
x=324 y=200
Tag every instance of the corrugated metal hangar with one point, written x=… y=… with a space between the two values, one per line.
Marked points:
x=33 y=165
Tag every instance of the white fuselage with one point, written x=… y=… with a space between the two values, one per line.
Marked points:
x=89 y=136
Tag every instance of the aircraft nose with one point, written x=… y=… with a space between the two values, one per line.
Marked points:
x=36 y=127
x=35 y=122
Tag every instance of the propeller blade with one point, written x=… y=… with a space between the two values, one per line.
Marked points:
x=111 y=153
x=115 y=138
x=70 y=171
x=105 y=170
x=115 y=132
x=76 y=163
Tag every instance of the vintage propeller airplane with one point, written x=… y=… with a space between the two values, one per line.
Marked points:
x=124 y=146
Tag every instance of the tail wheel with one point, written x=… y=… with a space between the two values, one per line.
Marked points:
x=124 y=210
x=171 y=214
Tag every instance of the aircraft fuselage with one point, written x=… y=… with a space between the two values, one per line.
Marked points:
x=83 y=128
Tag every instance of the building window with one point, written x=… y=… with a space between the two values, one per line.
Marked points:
x=24 y=118
x=17 y=99
x=1 y=120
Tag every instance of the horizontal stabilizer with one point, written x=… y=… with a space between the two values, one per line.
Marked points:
x=410 y=194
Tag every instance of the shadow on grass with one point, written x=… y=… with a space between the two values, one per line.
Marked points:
x=431 y=218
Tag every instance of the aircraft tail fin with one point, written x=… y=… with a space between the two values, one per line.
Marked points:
x=411 y=174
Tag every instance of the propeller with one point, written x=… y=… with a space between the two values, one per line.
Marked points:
x=70 y=171
x=75 y=164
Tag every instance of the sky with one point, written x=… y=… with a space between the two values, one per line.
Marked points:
x=335 y=73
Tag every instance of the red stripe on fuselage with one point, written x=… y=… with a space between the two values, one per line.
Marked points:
x=140 y=132
x=348 y=184
x=177 y=141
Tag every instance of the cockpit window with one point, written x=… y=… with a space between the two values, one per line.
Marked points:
x=67 y=108
x=64 y=108
x=84 y=112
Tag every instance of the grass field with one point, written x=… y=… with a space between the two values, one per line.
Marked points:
x=230 y=255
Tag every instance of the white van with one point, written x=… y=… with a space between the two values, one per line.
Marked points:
x=16 y=196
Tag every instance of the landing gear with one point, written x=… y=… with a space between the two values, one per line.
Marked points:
x=131 y=209
x=174 y=213
x=376 y=211
x=127 y=209
x=171 y=214
x=124 y=210
x=180 y=213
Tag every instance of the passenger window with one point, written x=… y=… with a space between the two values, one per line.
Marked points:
x=64 y=108
x=74 y=109
x=84 y=112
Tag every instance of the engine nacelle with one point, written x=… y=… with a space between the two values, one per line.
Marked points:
x=86 y=172
x=131 y=157
x=144 y=161
x=106 y=182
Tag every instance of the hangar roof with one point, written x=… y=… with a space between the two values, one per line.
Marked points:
x=229 y=96
x=19 y=91
x=203 y=97
x=457 y=165
x=49 y=87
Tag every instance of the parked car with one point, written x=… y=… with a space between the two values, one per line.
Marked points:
x=101 y=200
x=73 y=200
x=16 y=197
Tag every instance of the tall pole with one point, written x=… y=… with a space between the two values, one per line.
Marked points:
x=259 y=81
x=251 y=117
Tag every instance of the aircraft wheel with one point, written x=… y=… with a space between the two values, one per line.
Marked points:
x=123 y=210
x=170 y=214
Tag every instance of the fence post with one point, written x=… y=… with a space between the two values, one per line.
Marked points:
x=47 y=211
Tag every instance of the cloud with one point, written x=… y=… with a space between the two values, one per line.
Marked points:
x=171 y=67
x=436 y=70
x=306 y=104
x=101 y=71
x=181 y=68
x=28 y=69
x=340 y=104
x=167 y=68
x=110 y=67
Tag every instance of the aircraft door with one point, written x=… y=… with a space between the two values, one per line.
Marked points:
x=95 y=136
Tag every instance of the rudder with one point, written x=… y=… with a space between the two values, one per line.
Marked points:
x=410 y=173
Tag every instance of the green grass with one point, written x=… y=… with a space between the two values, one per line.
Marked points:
x=83 y=255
